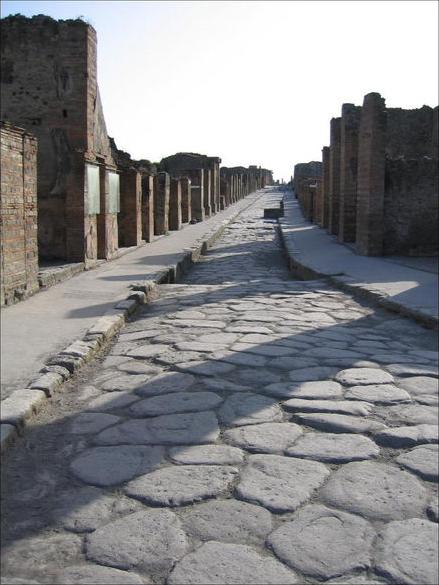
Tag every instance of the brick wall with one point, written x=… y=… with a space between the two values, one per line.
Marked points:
x=334 y=176
x=350 y=125
x=325 y=187
x=18 y=214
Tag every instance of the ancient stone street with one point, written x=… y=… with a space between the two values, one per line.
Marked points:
x=245 y=427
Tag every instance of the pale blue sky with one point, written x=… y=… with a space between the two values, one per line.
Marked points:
x=251 y=82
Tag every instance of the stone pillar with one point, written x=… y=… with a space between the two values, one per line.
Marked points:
x=371 y=172
x=334 y=177
x=213 y=202
x=197 y=194
x=325 y=186
x=148 y=208
x=207 y=185
x=217 y=186
x=186 y=197
x=130 y=228
x=350 y=125
x=175 y=204
x=161 y=203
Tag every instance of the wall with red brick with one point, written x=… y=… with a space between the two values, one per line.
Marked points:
x=350 y=125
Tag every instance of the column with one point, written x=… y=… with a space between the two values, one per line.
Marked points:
x=147 y=208
x=334 y=176
x=175 y=204
x=186 y=211
x=350 y=125
x=161 y=203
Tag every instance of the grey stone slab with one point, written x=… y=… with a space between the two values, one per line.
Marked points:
x=136 y=335
x=325 y=389
x=268 y=350
x=356 y=579
x=427 y=399
x=7 y=436
x=424 y=461
x=339 y=423
x=324 y=543
x=375 y=490
x=125 y=382
x=341 y=406
x=265 y=437
x=169 y=429
x=378 y=394
x=333 y=447
x=21 y=405
x=175 y=403
x=418 y=385
x=407 y=552
x=205 y=323
x=207 y=455
x=248 y=328
x=280 y=484
x=312 y=374
x=171 y=357
x=106 y=466
x=361 y=376
x=333 y=353
x=246 y=408
x=257 y=377
x=433 y=508
x=181 y=484
x=227 y=521
x=18 y=581
x=218 y=338
x=150 y=541
x=411 y=370
x=98 y=575
x=188 y=315
x=92 y=422
x=240 y=358
x=133 y=366
x=292 y=363
x=111 y=401
x=401 y=437
x=412 y=414
x=206 y=368
x=198 y=346
x=216 y=563
x=148 y=351
x=166 y=383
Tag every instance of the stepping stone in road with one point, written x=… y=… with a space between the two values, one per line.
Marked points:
x=98 y=575
x=105 y=466
x=378 y=393
x=341 y=406
x=333 y=448
x=280 y=484
x=401 y=437
x=339 y=423
x=216 y=563
x=246 y=408
x=265 y=437
x=207 y=455
x=150 y=541
x=406 y=552
x=375 y=490
x=227 y=521
x=307 y=543
x=424 y=461
x=360 y=376
x=165 y=383
x=181 y=484
x=325 y=389
x=176 y=402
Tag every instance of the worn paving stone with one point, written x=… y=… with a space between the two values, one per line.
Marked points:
x=333 y=448
x=206 y=368
x=325 y=389
x=172 y=357
x=134 y=366
x=106 y=466
x=179 y=485
x=279 y=483
x=269 y=350
x=151 y=541
x=175 y=403
x=400 y=437
x=292 y=363
x=207 y=455
x=339 y=423
x=257 y=377
x=148 y=351
x=375 y=490
x=227 y=521
x=246 y=408
x=324 y=543
x=411 y=414
x=92 y=422
x=428 y=399
x=378 y=394
x=111 y=401
x=360 y=376
x=407 y=552
x=433 y=508
x=356 y=579
x=340 y=406
x=169 y=429
x=417 y=385
x=412 y=370
x=312 y=374
x=216 y=563
x=424 y=461
x=98 y=575
x=166 y=383
x=124 y=382
x=240 y=358
x=264 y=437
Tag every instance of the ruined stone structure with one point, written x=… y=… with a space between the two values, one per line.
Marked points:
x=18 y=214
x=379 y=186
x=237 y=182
x=307 y=179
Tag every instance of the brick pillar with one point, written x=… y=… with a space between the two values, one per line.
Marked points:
x=81 y=232
x=30 y=147
x=130 y=218
x=186 y=212
x=213 y=202
x=148 y=208
x=197 y=194
x=371 y=170
x=161 y=203
x=217 y=186
x=175 y=204
x=334 y=177
x=350 y=125
x=325 y=186
x=207 y=185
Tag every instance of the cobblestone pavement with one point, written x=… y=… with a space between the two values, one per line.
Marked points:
x=245 y=428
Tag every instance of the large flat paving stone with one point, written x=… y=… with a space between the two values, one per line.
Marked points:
x=424 y=461
x=150 y=541
x=179 y=485
x=166 y=383
x=175 y=403
x=334 y=406
x=378 y=394
x=207 y=455
x=265 y=437
x=98 y=575
x=401 y=437
x=324 y=543
x=111 y=401
x=312 y=374
x=360 y=376
x=357 y=579
x=216 y=563
x=333 y=448
x=412 y=369
x=375 y=490
x=92 y=422
x=227 y=521
x=148 y=351
x=326 y=389
x=279 y=483
x=412 y=414
x=246 y=408
x=125 y=382
x=417 y=385
x=407 y=552
x=170 y=429
x=105 y=466
x=206 y=368
x=339 y=423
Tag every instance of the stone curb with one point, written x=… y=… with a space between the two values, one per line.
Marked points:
x=359 y=290
x=18 y=408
